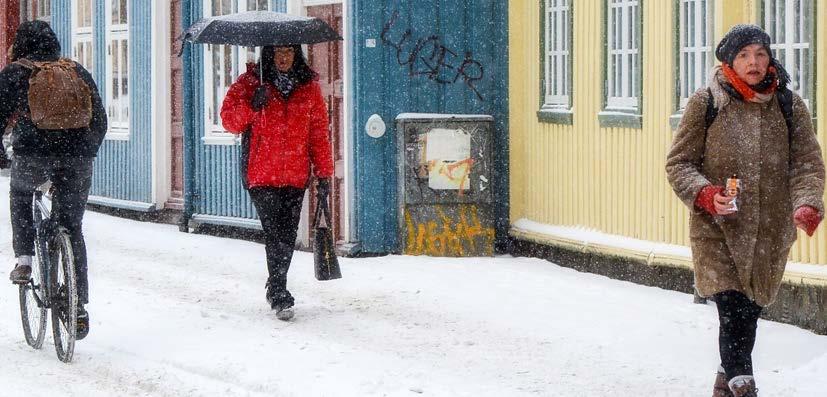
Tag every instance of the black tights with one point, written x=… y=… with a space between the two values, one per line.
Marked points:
x=738 y=317
x=279 y=209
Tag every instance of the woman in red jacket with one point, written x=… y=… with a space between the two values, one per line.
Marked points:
x=285 y=126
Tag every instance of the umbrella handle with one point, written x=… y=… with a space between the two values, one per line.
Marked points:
x=183 y=43
x=260 y=71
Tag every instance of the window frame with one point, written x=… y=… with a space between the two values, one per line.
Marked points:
x=679 y=101
x=214 y=132
x=560 y=112
x=811 y=70
x=118 y=129
x=615 y=112
x=84 y=34
x=42 y=11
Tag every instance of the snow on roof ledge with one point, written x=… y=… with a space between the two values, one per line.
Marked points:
x=447 y=116
x=643 y=248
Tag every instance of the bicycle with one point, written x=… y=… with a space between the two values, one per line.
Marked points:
x=52 y=285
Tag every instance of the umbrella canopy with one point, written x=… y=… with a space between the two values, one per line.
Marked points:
x=260 y=28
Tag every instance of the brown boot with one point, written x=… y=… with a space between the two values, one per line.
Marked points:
x=721 y=388
x=743 y=386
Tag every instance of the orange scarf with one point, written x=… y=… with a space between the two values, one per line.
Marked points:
x=745 y=90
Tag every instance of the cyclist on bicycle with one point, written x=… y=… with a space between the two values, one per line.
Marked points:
x=62 y=155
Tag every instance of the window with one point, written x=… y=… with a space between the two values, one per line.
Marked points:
x=82 y=33
x=623 y=63
x=696 y=58
x=42 y=10
x=117 y=67
x=557 y=73
x=790 y=25
x=222 y=66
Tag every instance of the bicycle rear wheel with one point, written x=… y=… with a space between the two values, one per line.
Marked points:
x=64 y=295
x=33 y=294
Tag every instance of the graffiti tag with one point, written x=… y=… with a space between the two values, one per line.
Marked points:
x=428 y=57
x=445 y=236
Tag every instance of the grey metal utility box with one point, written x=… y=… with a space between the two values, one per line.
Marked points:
x=445 y=186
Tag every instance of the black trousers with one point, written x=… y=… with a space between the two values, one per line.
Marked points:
x=738 y=317
x=279 y=209
x=71 y=178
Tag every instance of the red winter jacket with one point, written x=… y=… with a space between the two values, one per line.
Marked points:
x=287 y=136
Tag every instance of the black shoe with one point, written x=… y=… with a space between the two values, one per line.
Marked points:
x=82 y=328
x=21 y=274
x=280 y=301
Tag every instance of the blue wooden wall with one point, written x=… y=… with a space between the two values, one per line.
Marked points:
x=212 y=182
x=123 y=168
x=430 y=56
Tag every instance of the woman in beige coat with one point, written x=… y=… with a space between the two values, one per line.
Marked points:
x=740 y=243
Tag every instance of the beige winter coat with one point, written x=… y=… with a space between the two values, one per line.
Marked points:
x=746 y=251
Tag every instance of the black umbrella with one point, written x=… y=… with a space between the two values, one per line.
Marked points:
x=260 y=28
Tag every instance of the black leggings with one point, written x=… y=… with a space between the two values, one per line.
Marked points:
x=72 y=179
x=279 y=209
x=738 y=317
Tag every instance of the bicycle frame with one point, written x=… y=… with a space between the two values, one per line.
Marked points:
x=41 y=296
x=55 y=289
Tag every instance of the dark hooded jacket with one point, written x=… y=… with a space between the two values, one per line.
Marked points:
x=37 y=42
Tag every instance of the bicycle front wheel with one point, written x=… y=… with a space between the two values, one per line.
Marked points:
x=33 y=296
x=64 y=295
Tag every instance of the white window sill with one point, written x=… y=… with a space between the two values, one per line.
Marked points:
x=117 y=135
x=222 y=139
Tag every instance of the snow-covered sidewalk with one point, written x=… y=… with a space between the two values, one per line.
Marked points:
x=177 y=314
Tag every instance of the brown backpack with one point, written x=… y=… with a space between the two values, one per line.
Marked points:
x=58 y=97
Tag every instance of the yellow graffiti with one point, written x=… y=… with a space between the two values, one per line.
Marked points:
x=445 y=236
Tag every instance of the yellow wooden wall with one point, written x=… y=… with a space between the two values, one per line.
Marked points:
x=612 y=179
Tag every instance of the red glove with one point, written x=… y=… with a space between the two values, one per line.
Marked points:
x=807 y=218
x=706 y=198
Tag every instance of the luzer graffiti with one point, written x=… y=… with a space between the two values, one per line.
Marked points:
x=443 y=235
x=427 y=56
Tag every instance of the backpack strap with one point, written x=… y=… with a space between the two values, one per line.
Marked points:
x=709 y=118
x=711 y=110
x=785 y=100
x=26 y=63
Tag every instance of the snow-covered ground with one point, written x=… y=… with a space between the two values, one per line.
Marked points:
x=177 y=314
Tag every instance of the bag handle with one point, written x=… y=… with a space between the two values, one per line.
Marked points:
x=321 y=211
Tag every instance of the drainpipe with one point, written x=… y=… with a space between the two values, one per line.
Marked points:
x=190 y=108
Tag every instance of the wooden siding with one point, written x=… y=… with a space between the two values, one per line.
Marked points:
x=611 y=179
x=211 y=172
x=389 y=77
x=9 y=20
x=123 y=169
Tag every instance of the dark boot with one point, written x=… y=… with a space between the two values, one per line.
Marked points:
x=82 y=328
x=279 y=297
x=743 y=386
x=721 y=388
